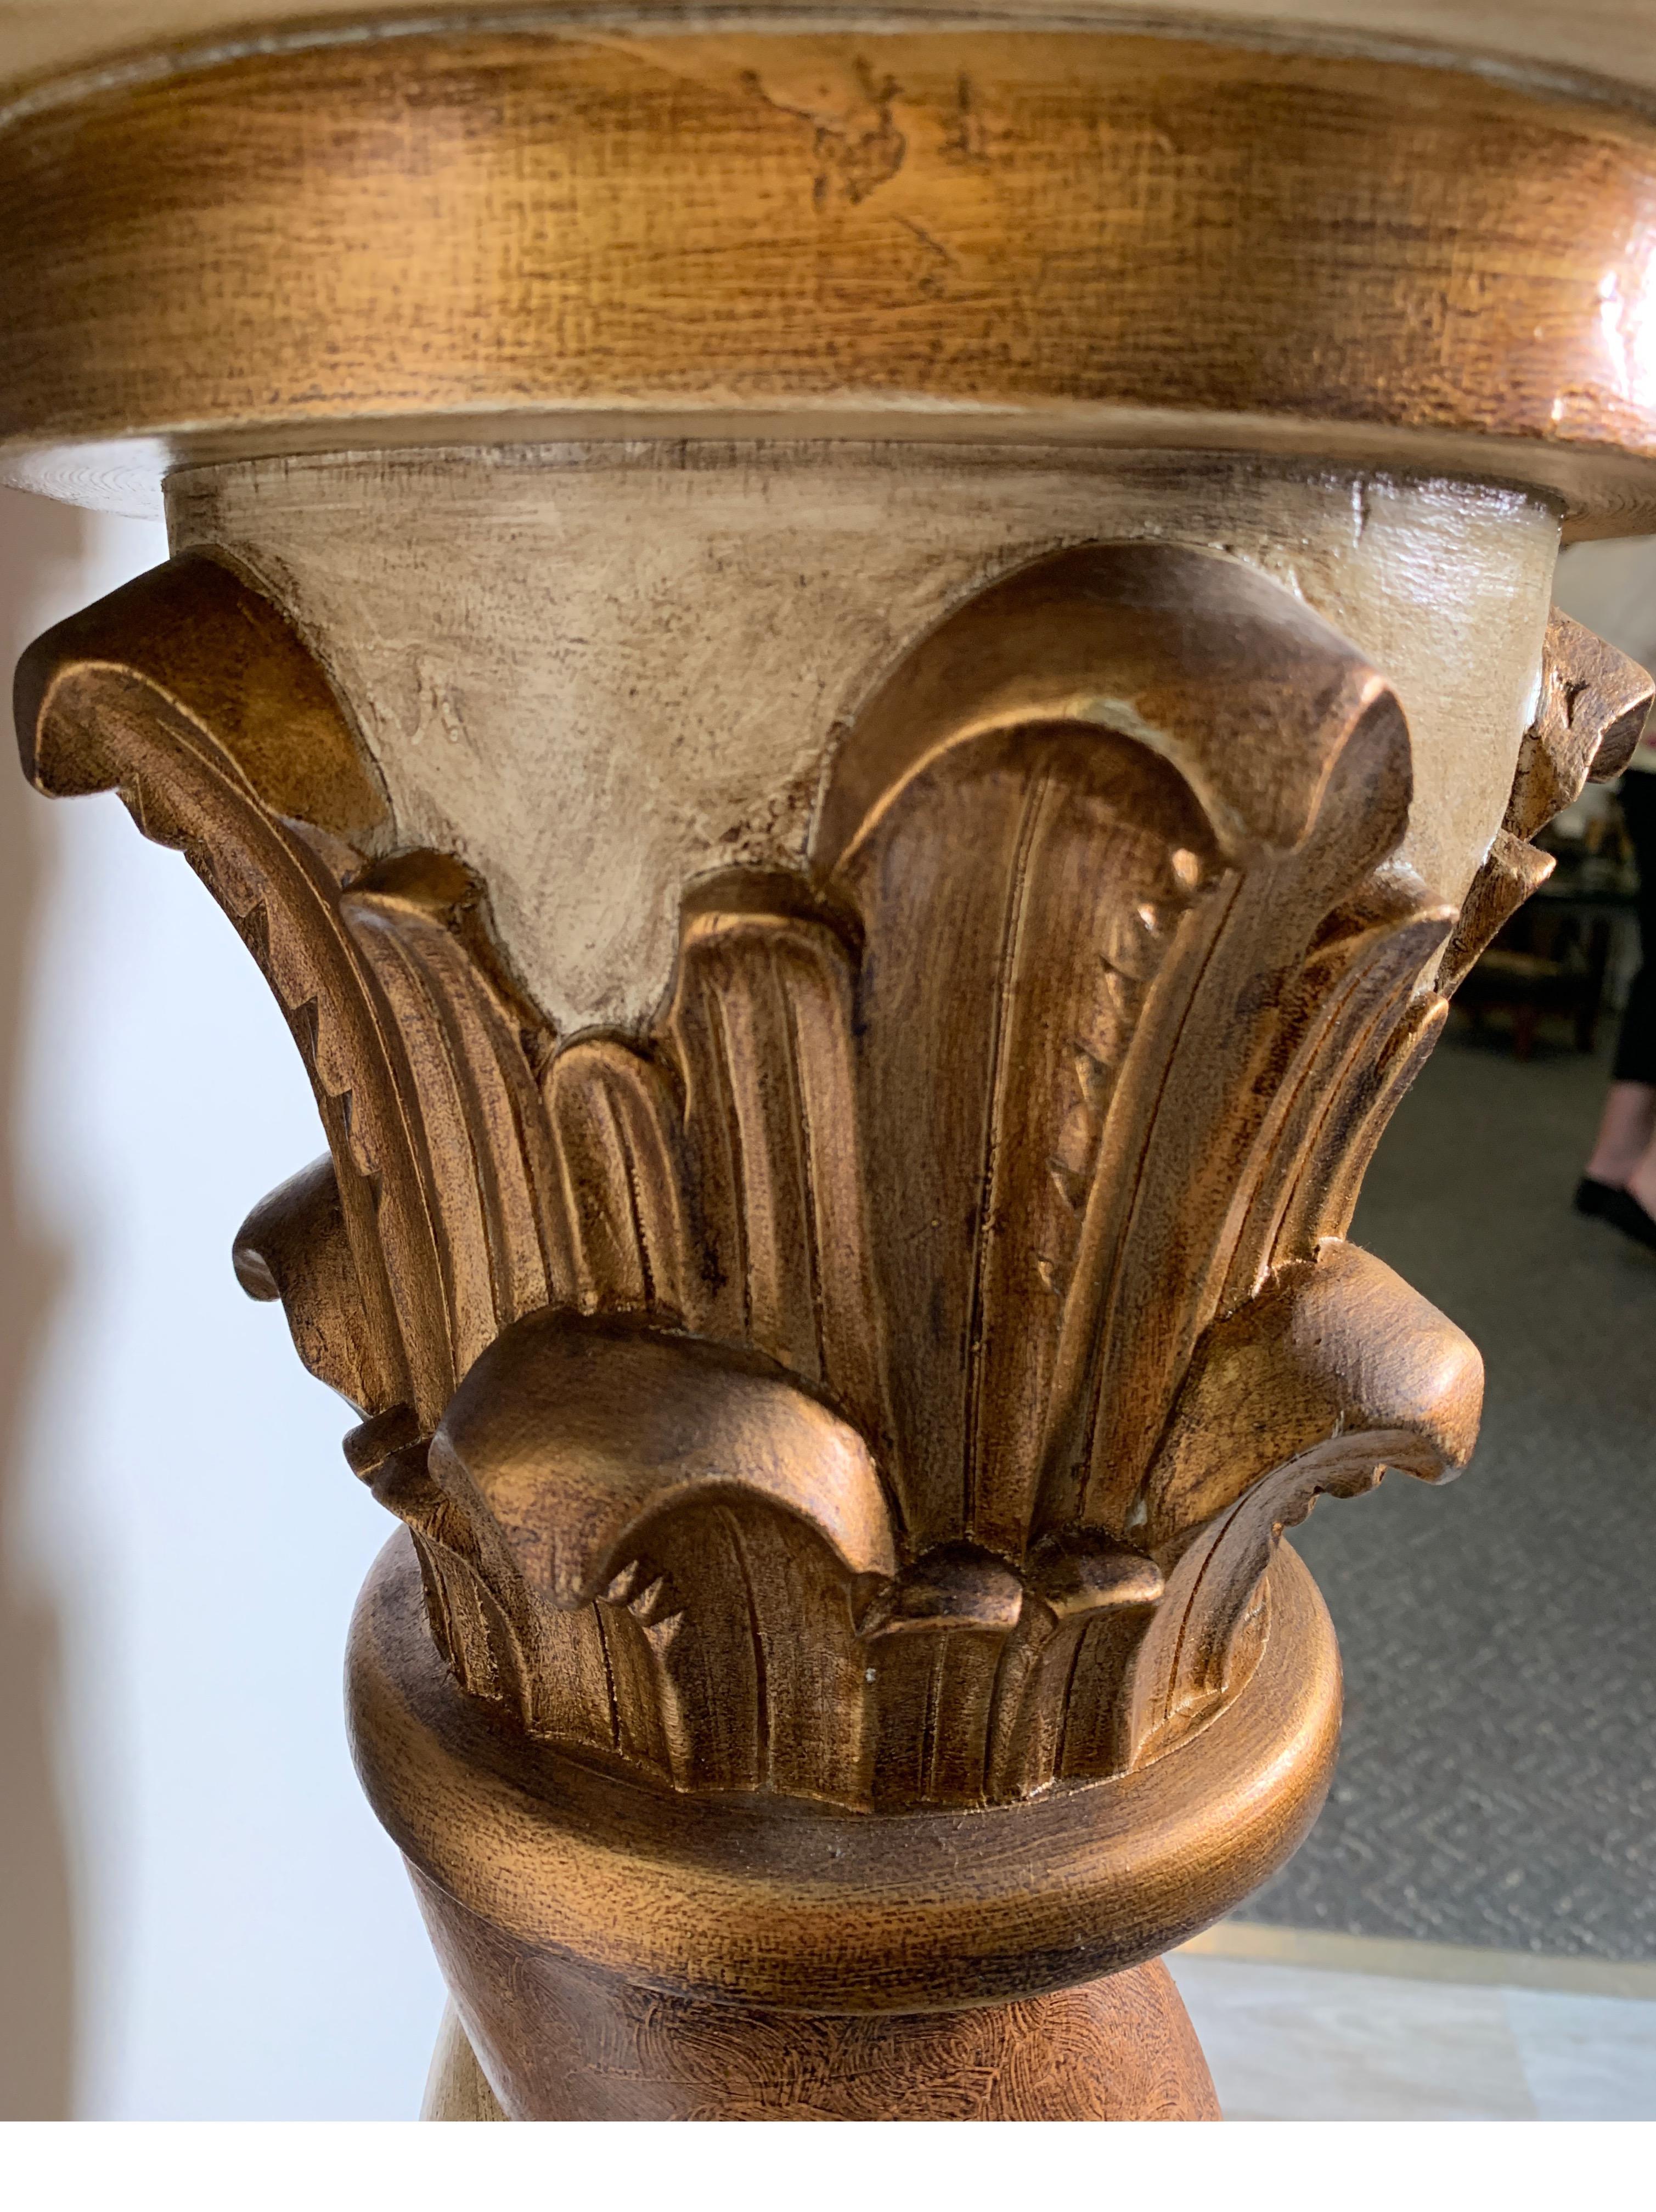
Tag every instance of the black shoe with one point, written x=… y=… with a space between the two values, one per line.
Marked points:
x=1593 y=1197
x=1624 y=1212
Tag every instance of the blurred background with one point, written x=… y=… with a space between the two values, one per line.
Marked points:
x=199 y=1917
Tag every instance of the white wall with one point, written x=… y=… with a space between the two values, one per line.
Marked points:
x=248 y=1946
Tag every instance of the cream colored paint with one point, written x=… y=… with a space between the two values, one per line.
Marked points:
x=597 y=674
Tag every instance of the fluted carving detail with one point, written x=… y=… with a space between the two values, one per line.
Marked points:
x=884 y=1378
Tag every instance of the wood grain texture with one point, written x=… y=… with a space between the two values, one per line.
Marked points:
x=1415 y=265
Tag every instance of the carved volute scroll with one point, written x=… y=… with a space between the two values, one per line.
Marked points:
x=882 y=1380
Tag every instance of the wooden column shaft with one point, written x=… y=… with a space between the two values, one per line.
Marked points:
x=1119 y=2049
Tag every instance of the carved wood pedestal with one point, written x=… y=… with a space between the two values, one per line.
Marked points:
x=862 y=690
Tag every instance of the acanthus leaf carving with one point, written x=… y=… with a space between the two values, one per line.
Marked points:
x=1591 y=710
x=884 y=1379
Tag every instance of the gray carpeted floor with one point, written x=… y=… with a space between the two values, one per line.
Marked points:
x=1497 y=1783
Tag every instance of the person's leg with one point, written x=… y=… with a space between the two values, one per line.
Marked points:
x=1625 y=1131
x=1626 y=1144
x=1631 y=1108
x=1641 y=1183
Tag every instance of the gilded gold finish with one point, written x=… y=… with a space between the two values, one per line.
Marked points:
x=789 y=1904
x=845 y=1429
x=1147 y=239
x=844 y=1395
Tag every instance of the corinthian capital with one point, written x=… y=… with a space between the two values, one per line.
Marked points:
x=852 y=950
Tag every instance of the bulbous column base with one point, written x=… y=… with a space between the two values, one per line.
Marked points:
x=616 y=1952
